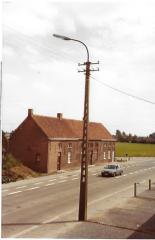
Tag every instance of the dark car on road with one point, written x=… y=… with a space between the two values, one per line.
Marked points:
x=112 y=170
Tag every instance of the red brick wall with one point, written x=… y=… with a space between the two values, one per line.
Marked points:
x=52 y=157
x=29 y=144
x=97 y=147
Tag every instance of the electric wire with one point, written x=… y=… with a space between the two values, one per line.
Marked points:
x=63 y=55
x=36 y=44
x=123 y=92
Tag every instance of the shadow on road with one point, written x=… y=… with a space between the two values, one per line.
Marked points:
x=147 y=230
x=143 y=230
x=38 y=223
x=146 y=198
x=148 y=227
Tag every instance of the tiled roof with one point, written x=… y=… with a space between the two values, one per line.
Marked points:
x=66 y=128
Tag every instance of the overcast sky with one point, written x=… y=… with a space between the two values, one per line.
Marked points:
x=40 y=71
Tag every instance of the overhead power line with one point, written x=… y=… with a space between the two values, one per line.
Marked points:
x=64 y=55
x=49 y=49
x=123 y=92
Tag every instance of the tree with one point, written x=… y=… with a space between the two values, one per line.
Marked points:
x=119 y=135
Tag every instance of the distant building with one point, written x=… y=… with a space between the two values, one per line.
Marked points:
x=47 y=144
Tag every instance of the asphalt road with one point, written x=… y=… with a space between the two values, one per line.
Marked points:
x=28 y=206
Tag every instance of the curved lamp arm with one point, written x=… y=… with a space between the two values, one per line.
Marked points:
x=72 y=39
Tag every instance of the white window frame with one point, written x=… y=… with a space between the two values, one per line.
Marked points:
x=109 y=155
x=69 y=157
x=69 y=145
x=113 y=156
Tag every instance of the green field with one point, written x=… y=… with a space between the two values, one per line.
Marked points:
x=135 y=150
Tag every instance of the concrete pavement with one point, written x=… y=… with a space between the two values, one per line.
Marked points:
x=48 y=206
x=134 y=219
x=131 y=220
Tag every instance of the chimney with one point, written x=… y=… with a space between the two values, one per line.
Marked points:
x=30 y=112
x=59 y=116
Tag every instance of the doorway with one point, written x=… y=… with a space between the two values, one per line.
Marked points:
x=59 y=161
x=91 y=157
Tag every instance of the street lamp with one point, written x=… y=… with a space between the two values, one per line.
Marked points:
x=72 y=39
x=84 y=159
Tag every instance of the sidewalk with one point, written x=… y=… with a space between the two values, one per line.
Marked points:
x=133 y=219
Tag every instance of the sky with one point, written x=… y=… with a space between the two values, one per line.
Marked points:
x=41 y=72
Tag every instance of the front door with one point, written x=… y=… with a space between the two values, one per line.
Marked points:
x=91 y=158
x=59 y=161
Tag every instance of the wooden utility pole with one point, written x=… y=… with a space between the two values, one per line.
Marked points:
x=84 y=158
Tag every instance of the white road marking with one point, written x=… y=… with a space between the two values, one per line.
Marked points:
x=75 y=175
x=37 y=226
x=109 y=195
x=21 y=187
x=14 y=192
x=74 y=179
x=94 y=174
x=66 y=213
x=124 y=175
x=24 y=231
x=32 y=188
x=62 y=177
x=49 y=184
x=50 y=220
x=5 y=190
x=143 y=181
x=131 y=173
x=118 y=177
x=52 y=180
x=62 y=181
x=38 y=183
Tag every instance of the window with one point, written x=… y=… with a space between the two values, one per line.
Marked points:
x=69 y=157
x=108 y=154
x=69 y=145
x=60 y=146
x=113 y=156
x=104 y=155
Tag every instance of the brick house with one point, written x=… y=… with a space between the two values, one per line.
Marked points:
x=47 y=144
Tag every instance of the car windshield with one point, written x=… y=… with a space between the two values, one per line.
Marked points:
x=110 y=167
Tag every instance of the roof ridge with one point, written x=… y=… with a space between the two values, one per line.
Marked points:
x=76 y=120
x=37 y=115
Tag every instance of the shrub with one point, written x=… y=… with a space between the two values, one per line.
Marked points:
x=9 y=162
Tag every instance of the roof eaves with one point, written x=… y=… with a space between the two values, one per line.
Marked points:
x=110 y=140
x=62 y=139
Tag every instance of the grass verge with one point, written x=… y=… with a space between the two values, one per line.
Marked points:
x=135 y=150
